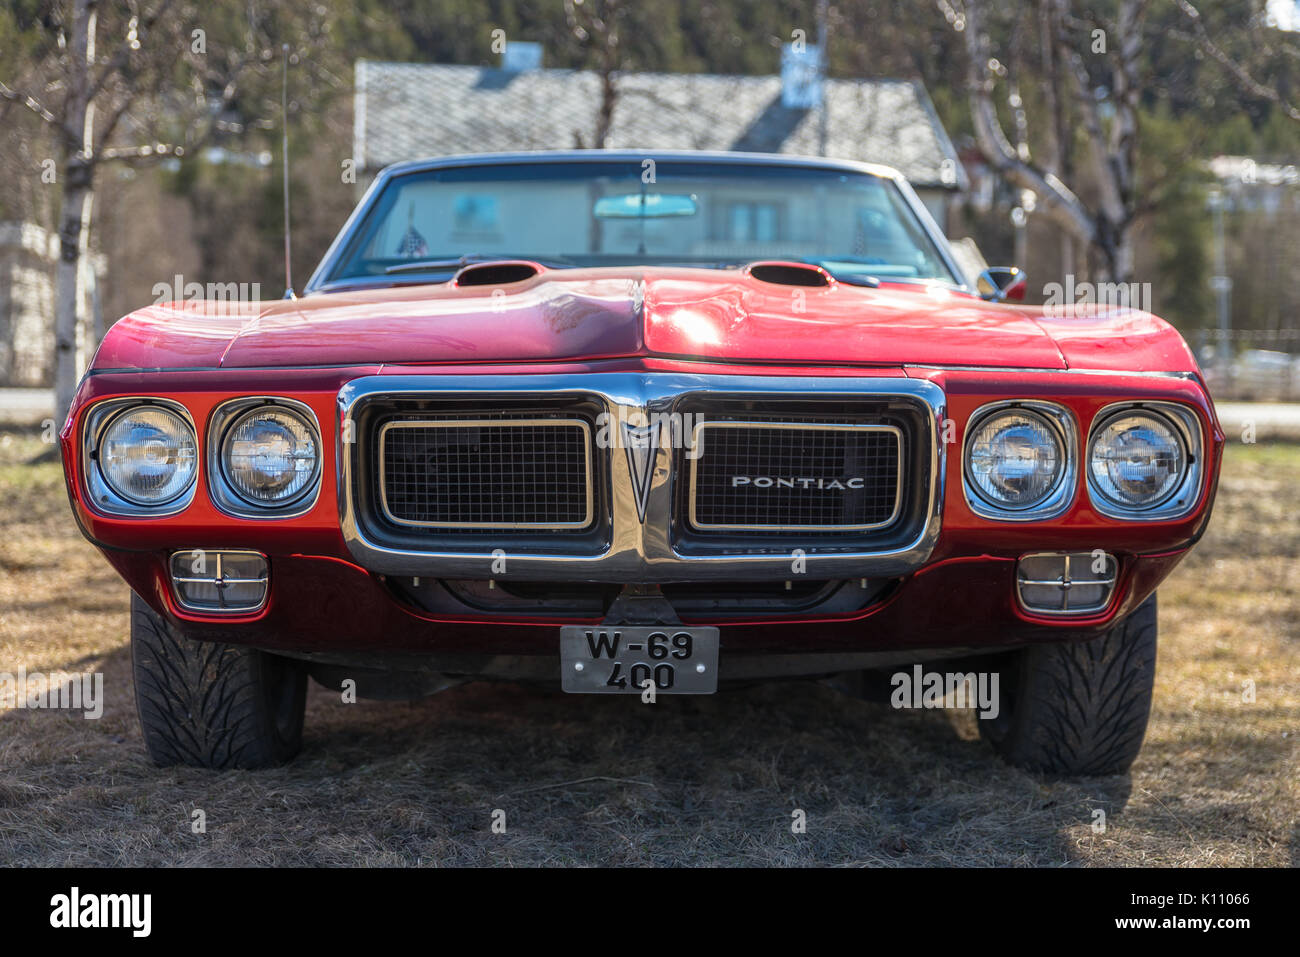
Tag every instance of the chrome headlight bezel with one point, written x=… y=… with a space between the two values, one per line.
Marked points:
x=102 y=495
x=1185 y=494
x=223 y=491
x=1061 y=423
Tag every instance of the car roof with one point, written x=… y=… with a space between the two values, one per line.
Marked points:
x=596 y=156
x=721 y=157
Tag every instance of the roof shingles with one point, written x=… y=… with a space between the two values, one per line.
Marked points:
x=409 y=111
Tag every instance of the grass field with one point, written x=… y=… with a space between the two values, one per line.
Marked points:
x=705 y=781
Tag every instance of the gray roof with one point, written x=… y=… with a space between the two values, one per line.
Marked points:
x=409 y=111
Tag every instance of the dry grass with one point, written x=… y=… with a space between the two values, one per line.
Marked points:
x=708 y=781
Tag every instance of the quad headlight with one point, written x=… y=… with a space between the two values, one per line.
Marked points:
x=1017 y=460
x=147 y=455
x=1137 y=460
x=270 y=456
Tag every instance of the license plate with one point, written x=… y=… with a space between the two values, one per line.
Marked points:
x=620 y=659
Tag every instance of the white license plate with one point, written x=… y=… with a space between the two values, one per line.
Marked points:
x=620 y=659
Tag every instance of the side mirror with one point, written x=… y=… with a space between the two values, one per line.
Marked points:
x=1002 y=284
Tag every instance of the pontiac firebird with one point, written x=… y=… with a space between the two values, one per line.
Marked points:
x=641 y=423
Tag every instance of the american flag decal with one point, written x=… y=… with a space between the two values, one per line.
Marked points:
x=412 y=245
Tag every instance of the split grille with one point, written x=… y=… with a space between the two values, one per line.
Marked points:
x=795 y=476
x=487 y=473
x=534 y=474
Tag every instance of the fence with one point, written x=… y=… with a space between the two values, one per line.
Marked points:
x=1261 y=364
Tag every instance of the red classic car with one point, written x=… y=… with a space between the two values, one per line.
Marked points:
x=642 y=423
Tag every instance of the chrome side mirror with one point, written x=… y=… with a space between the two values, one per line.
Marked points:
x=1002 y=284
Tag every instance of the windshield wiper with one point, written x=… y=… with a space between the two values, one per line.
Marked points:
x=429 y=265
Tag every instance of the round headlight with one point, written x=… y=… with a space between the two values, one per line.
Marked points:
x=1136 y=459
x=1016 y=459
x=270 y=456
x=148 y=455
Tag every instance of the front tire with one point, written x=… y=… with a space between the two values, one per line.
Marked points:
x=1079 y=708
x=211 y=705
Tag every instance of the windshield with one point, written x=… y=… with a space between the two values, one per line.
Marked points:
x=630 y=212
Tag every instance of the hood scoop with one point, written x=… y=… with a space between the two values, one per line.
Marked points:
x=500 y=273
x=789 y=274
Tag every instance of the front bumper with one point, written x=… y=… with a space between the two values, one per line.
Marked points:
x=953 y=587
x=322 y=604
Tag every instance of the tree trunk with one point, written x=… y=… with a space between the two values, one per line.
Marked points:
x=1123 y=268
x=74 y=219
x=1114 y=252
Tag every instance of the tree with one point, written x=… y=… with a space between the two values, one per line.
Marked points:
x=596 y=25
x=78 y=76
x=1104 y=225
x=1096 y=73
x=135 y=82
x=1259 y=52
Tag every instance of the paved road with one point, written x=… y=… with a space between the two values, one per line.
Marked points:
x=26 y=406
x=25 y=400
x=1267 y=417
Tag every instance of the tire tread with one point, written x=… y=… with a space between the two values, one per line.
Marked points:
x=1083 y=706
x=202 y=703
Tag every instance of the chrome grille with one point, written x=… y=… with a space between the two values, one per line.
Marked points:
x=795 y=476
x=487 y=473
x=619 y=546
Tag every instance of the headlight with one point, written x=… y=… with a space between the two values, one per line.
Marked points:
x=1136 y=459
x=1015 y=459
x=270 y=456
x=148 y=455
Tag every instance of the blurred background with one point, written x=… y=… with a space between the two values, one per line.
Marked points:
x=1146 y=145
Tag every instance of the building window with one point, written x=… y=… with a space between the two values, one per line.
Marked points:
x=750 y=222
x=473 y=213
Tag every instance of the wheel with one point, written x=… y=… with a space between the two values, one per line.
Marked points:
x=1078 y=708
x=211 y=705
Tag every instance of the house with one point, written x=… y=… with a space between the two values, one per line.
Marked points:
x=408 y=111
x=1251 y=186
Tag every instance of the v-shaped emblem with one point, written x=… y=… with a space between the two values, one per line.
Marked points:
x=642 y=445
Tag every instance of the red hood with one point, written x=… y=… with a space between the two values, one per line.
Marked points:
x=605 y=313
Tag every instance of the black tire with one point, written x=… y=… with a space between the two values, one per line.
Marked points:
x=1078 y=708
x=212 y=705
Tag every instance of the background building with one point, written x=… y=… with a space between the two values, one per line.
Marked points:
x=409 y=111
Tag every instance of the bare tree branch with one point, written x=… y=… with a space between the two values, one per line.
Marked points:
x=1060 y=202
x=1240 y=75
x=119 y=59
x=1067 y=46
x=148 y=151
x=28 y=101
x=1124 y=90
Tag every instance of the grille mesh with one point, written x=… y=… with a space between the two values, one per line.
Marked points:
x=785 y=467
x=487 y=474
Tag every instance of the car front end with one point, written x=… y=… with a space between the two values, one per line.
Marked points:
x=639 y=477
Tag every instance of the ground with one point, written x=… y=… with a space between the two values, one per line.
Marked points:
x=597 y=780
